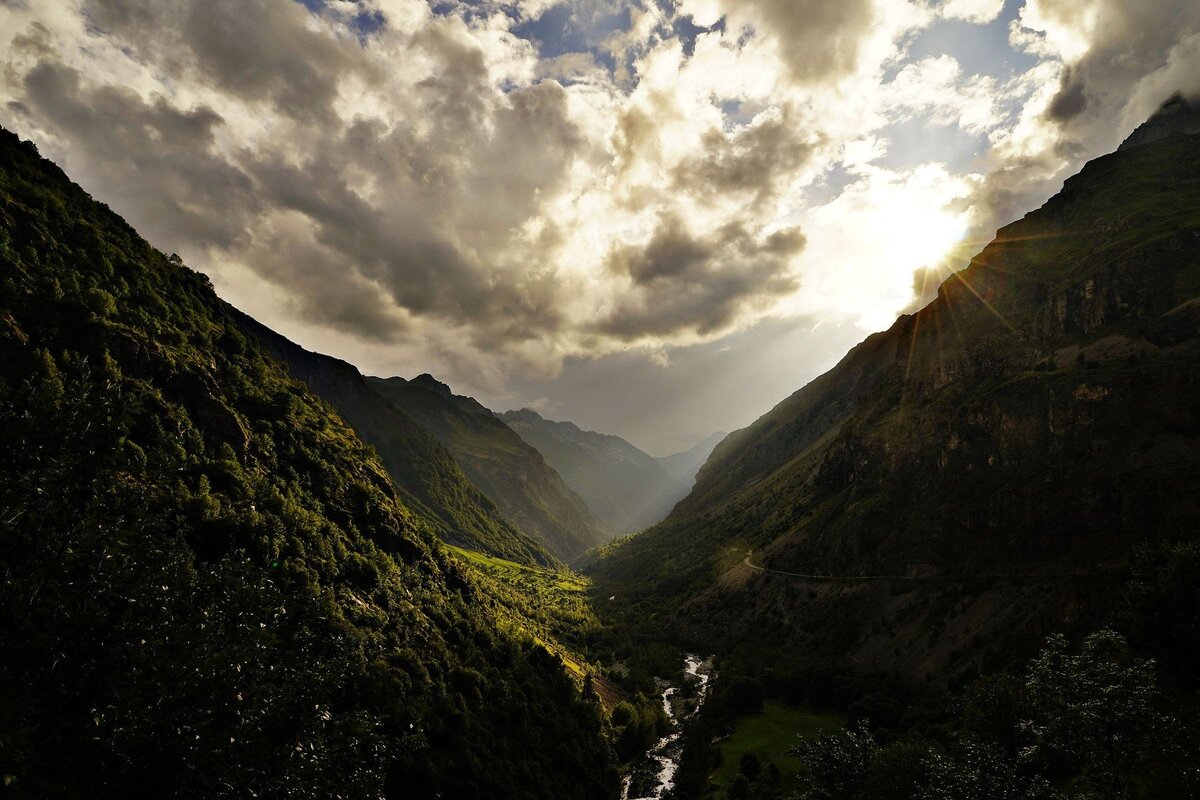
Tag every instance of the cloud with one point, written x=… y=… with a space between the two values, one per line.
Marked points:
x=979 y=12
x=490 y=189
x=1105 y=66
x=752 y=162
x=681 y=281
x=936 y=90
x=157 y=159
x=815 y=39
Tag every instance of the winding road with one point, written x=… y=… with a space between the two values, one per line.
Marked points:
x=757 y=568
x=831 y=578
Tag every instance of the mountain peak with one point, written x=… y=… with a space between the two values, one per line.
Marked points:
x=526 y=414
x=1179 y=115
x=432 y=384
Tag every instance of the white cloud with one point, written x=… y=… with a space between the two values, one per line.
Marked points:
x=979 y=12
x=936 y=90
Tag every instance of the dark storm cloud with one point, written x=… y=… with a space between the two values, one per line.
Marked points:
x=817 y=40
x=254 y=49
x=153 y=159
x=701 y=284
x=1071 y=99
x=752 y=161
x=366 y=223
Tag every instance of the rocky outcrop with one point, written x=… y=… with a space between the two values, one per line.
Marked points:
x=1179 y=115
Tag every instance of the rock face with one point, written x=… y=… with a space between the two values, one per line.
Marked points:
x=1039 y=418
x=514 y=475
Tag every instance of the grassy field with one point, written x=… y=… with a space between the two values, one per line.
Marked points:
x=549 y=606
x=769 y=734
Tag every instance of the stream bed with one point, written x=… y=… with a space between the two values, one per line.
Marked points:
x=654 y=775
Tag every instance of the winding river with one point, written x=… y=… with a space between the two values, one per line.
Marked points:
x=655 y=776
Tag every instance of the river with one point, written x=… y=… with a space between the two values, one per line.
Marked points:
x=655 y=775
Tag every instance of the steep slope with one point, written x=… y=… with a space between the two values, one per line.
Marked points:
x=626 y=489
x=1005 y=450
x=512 y=474
x=210 y=588
x=427 y=477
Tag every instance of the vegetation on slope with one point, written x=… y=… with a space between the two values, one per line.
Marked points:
x=209 y=587
x=427 y=477
x=552 y=609
x=1112 y=715
x=514 y=475
x=1085 y=721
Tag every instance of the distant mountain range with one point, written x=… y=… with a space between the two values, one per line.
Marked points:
x=626 y=489
x=684 y=466
x=980 y=474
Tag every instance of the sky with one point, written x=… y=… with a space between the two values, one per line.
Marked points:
x=655 y=218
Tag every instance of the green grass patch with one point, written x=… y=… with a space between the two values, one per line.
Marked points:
x=548 y=606
x=769 y=734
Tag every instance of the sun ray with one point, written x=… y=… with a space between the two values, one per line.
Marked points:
x=986 y=304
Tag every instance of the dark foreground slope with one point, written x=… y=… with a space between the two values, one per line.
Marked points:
x=626 y=489
x=510 y=472
x=1006 y=451
x=209 y=587
x=425 y=474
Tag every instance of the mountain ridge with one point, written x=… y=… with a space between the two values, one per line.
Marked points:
x=425 y=473
x=626 y=489
x=211 y=586
x=967 y=440
x=514 y=475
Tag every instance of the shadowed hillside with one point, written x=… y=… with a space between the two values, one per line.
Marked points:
x=426 y=475
x=512 y=474
x=1005 y=451
x=210 y=586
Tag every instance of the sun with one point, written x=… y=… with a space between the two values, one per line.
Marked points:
x=921 y=237
x=867 y=245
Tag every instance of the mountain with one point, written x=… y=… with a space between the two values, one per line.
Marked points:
x=210 y=586
x=626 y=489
x=982 y=473
x=425 y=474
x=1177 y=116
x=512 y=474
x=684 y=466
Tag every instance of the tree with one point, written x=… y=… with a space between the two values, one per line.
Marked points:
x=749 y=765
